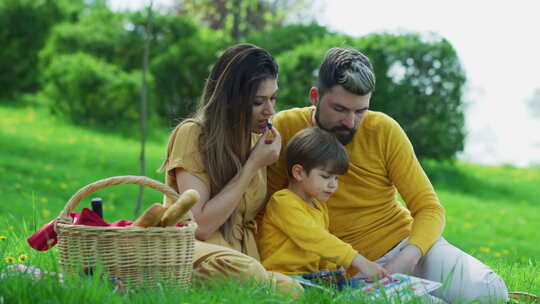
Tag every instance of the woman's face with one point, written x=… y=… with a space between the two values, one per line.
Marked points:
x=263 y=105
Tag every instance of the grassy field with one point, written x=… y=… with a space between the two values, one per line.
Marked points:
x=492 y=212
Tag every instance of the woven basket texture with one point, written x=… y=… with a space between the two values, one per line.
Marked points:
x=138 y=256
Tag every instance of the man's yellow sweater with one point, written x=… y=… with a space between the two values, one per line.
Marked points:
x=294 y=237
x=364 y=211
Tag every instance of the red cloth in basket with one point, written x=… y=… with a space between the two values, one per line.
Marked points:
x=45 y=238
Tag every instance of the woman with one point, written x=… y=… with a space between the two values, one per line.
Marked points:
x=222 y=153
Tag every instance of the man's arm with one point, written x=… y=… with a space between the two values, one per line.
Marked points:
x=411 y=181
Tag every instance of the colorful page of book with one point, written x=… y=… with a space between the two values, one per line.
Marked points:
x=400 y=286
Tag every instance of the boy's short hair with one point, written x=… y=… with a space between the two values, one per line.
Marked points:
x=316 y=148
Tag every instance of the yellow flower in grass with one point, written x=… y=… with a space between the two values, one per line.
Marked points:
x=23 y=258
x=10 y=259
x=45 y=212
x=504 y=251
x=485 y=249
x=43 y=199
x=3 y=237
x=63 y=186
x=497 y=254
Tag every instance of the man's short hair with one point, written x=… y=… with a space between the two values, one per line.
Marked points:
x=346 y=67
x=316 y=148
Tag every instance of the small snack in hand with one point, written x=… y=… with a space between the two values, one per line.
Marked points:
x=151 y=217
x=270 y=137
x=177 y=211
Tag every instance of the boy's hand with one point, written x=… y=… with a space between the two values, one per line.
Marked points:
x=368 y=270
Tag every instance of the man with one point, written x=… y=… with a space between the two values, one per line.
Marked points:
x=365 y=211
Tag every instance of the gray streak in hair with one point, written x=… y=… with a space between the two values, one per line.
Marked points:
x=357 y=79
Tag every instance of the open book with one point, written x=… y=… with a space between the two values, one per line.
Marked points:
x=399 y=288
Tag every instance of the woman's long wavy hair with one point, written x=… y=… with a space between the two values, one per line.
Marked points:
x=225 y=115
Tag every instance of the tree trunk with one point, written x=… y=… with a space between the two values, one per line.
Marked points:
x=236 y=7
x=144 y=101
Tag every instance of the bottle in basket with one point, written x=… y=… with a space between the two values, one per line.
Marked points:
x=97 y=206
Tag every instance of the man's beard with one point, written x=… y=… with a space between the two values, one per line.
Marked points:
x=343 y=138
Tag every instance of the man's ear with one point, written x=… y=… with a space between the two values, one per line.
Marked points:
x=314 y=96
x=297 y=172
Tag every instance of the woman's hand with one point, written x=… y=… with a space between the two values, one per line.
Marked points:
x=266 y=150
x=368 y=269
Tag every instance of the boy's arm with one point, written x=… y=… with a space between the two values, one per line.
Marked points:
x=327 y=265
x=299 y=226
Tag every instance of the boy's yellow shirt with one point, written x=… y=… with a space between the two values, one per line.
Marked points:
x=365 y=211
x=294 y=237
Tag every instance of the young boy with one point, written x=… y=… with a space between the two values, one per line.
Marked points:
x=294 y=236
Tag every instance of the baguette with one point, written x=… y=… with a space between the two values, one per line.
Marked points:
x=177 y=211
x=151 y=217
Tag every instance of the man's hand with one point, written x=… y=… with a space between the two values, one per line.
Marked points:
x=405 y=261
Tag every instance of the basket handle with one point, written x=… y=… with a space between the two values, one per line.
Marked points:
x=64 y=217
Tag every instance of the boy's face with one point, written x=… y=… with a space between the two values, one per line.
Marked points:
x=319 y=184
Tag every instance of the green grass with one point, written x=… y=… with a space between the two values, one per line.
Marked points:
x=492 y=212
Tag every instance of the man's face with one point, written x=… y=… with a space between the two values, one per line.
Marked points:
x=339 y=111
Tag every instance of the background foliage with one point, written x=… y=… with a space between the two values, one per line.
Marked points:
x=420 y=83
x=88 y=90
x=87 y=59
x=24 y=28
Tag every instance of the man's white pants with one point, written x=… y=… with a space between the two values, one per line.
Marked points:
x=464 y=277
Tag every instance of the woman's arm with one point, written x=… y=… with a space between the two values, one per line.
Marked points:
x=211 y=213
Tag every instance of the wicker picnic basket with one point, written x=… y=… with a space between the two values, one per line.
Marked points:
x=138 y=256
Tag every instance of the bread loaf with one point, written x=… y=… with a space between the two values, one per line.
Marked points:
x=177 y=211
x=151 y=217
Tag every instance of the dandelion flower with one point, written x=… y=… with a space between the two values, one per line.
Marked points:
x=23 y=258
x=10 y=259
x=497 y=254
x=3 y=237
x=504 y=251
x=45 y=212
x=484 y=249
